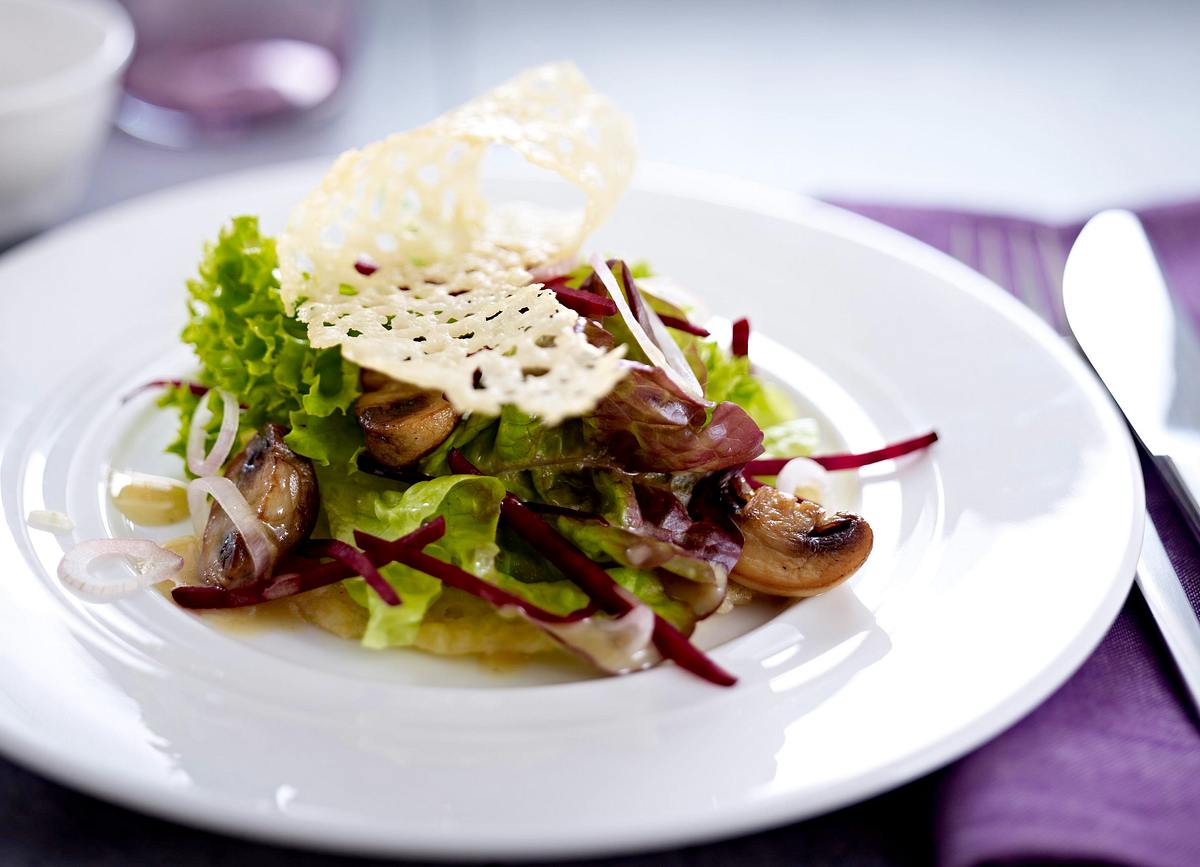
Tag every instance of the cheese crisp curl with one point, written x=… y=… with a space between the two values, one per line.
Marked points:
x=397 y=258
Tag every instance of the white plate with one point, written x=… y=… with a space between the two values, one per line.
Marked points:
x=1001 y=557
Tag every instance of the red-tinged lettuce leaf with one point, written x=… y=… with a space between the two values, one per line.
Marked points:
x=616 y=546
x=703 y=530
x=648 y=426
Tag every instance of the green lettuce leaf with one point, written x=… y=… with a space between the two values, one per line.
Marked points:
x=797 y=437
x=649 y=589
x=471 y=507
x=247 y=345
x=730 y=378
x=609 y=545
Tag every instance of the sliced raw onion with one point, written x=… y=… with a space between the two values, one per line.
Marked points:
x=254 y=533
x=197 y=461
x=652 y=323
x=804 y=478
x=679 y=372
x=772 y=466
x=151 y=564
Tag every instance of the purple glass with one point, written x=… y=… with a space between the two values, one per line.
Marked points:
x=215 y=69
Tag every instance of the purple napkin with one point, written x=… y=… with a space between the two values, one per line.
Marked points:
x=1108 y=768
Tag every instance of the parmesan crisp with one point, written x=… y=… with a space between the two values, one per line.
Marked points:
x=397 y=257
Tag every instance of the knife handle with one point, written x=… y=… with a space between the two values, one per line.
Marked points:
x=1172 y=611
x=1181 y=482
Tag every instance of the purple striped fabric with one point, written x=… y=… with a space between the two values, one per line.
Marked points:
x=1108 y=769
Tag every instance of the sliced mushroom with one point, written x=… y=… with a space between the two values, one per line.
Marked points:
x=401 y=423
x=281 y=487
x=794 y=547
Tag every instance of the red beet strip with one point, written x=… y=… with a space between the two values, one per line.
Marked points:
x=194 y=387
x=772 y=466
x=582 y=302
x=460 y=579
x=682 y=325
x=302 y=578
x=356 y=561
x=673 y=645
x=597 y=583
x=740 y=345
x=600 y=586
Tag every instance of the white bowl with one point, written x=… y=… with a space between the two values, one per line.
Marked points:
x=60 y=70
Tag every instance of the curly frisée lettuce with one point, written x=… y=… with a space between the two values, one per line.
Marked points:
x=247 y=345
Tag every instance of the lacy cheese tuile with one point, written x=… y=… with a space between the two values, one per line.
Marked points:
x=397 y=258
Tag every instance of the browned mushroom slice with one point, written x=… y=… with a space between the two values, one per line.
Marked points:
x=795 y=548
x=402 y=423
x=281 y=487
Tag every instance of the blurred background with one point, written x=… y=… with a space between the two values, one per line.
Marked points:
x=1046 y=109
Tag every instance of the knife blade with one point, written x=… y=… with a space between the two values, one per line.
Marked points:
x=1142 y=346
x=1145 y=352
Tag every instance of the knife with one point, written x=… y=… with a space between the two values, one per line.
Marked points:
x=1148 y=356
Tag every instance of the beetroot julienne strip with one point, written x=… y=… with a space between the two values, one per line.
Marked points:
x=600 y=586
x=194 y=387
x=460 y=579
x=740 y=344
x=581 y=301
x=673 y=645
x=597 y=583
x=300 y=579
x=356 y=560
x=772 y=466
x=682 y=325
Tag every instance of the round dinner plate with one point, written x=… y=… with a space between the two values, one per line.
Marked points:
x=1002 y=555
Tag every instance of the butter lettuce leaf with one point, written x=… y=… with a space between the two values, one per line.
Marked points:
x=470 y=506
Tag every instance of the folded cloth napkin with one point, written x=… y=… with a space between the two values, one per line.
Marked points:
x=1108 y=768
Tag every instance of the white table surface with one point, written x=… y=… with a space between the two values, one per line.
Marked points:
x=1048 y=109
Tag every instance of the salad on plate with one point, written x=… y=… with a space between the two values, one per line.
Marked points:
x=423 y=420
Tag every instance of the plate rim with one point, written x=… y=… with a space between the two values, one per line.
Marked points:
x=187 y=807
